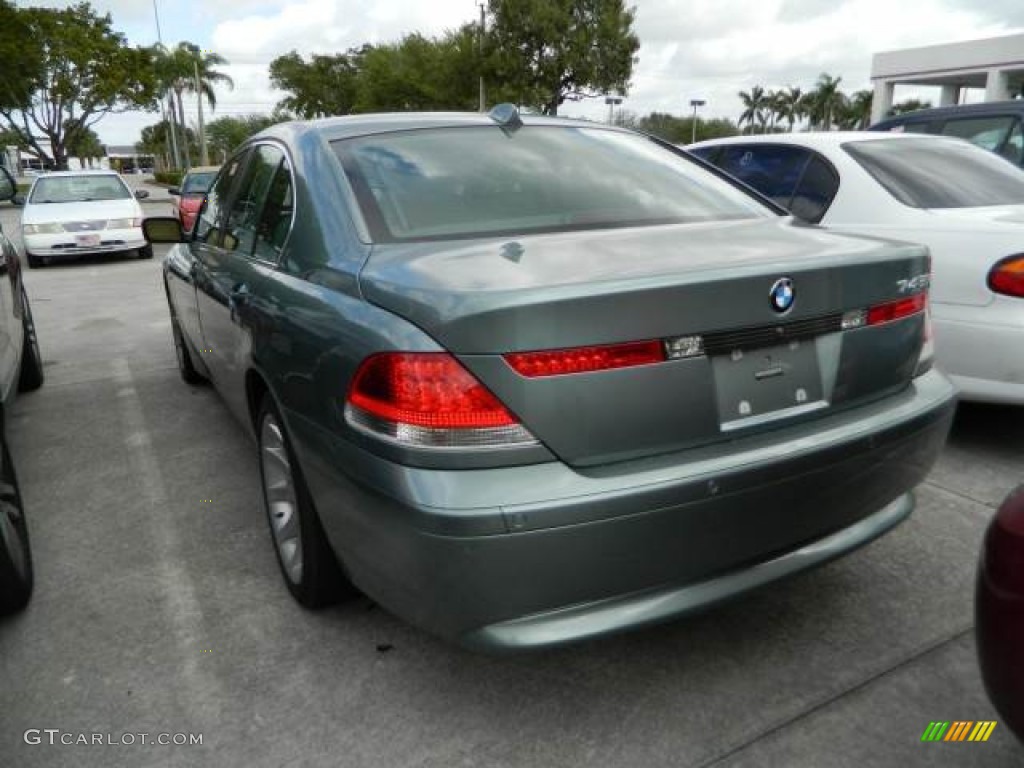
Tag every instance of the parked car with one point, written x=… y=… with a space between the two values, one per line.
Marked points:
x=21 y=369
x=189 y=196
x=74 y=213
x=999 y=609
x=965 y=204
x=994 y=125
x=525 y=380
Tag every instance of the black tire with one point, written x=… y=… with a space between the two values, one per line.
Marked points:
x=16 y=574
x=31 y=375
x=33 y=260
x=320 y=580
x=189 y=373
x=146 y=252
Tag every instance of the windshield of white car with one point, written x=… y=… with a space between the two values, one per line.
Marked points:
x=444 y=183
x=926 y=173
x=78 y=189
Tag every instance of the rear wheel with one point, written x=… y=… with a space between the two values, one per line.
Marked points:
x=189 y=373
x=15 y=556
x=307 y=562
x=33 y=260
x=31 y=375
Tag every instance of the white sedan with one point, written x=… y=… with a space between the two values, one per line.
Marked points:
x=964 y=203
x=73 y=213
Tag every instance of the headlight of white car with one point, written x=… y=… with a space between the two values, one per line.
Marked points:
x=43 y=229
x=124 y=223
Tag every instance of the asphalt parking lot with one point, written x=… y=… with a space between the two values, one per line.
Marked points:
x=159 y=608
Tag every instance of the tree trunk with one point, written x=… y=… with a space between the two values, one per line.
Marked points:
x=184 y=129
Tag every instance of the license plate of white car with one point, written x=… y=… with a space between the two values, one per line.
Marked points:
x=87 y=240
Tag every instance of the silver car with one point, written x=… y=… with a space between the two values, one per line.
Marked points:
x=525 y=380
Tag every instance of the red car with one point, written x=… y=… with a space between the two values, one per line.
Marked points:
x=189 y=196
x=999 y=611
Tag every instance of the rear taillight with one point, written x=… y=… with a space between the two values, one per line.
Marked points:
x=428 y=400
x=897 y=310
x=555 y=362
x=1007 y=277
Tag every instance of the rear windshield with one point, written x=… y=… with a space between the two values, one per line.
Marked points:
x=77 y=189
x=479 y=181
x=197 y=183
x=940 y=174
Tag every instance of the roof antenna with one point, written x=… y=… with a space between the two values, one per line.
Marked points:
x=507 y=117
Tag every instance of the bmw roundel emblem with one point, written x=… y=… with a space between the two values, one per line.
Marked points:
x=782 y=295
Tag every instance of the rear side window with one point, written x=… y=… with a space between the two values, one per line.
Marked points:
x=936 y=173
x=480 y=181
x=208 y=225
x=814 y=193
x=987 y=132
x=275 y=219
x=772 y=170
x=244 y=217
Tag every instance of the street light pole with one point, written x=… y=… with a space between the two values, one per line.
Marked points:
x=695 y=103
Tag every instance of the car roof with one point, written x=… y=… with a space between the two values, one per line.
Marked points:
x=91 y=172
x=351 y=126
x=1015 y=106
x=821 y=139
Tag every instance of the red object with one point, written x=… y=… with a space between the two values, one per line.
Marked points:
x=429 y=389
x=1007 y=277
x=999 y=611
x=556 y=362
x=187 y=208
x=896 y=310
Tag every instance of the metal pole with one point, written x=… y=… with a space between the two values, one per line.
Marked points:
x=483 y=32
x=693 y=131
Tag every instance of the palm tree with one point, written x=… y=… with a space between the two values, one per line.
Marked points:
x=858 y=111
x=789 y=103
x=754 y=104
x=826 y=100
x=196 y=74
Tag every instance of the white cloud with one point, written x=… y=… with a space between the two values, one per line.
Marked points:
x=706 y=49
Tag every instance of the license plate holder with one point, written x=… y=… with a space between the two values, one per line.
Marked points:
x=767 y=383
x=86 y=241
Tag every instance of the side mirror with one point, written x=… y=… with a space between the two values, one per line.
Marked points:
x=174 y=191
x=141 y=194
x=162 y=229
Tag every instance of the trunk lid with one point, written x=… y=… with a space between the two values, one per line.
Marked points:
x=482 y=299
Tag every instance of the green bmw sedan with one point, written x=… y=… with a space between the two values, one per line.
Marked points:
x=524 y=380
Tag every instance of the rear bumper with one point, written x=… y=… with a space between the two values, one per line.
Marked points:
x=539 y=555
x=979 y=349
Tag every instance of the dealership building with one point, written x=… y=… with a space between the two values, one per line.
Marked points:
x=995 y=65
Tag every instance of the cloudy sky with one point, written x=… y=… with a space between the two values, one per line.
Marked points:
x=706 y=49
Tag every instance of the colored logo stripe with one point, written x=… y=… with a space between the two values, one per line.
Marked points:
x=958 y=730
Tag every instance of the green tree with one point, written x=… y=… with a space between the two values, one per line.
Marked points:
x=64 y=70
x=325 y=85
x=678 y=130
x=86 y=146
x=544 y=52
x=789 y=103
x=855 y=114
x=226 y=133
x=418 y=73
x=187 y=68
x=156 y=141
x=825 y=102
x=908 y=105
x=754 y=104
